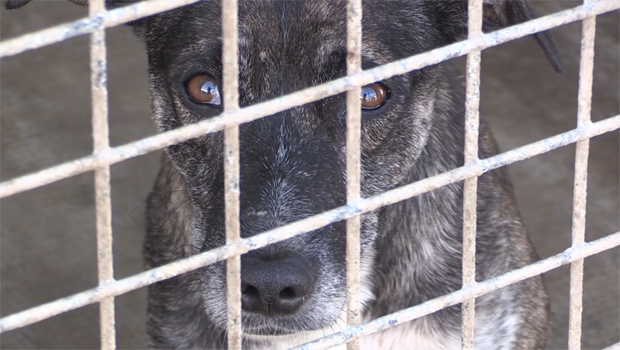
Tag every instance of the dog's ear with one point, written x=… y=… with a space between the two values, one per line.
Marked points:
x=15 y=4
x=497 y=14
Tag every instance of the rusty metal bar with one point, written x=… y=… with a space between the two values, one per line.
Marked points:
x=470 y=186
x=470 y=292
x=103 y=205
x=227 y=119
x=363 y=205
x=354 y=134
x=230 y=62
x=584 y=104
x=88 y=25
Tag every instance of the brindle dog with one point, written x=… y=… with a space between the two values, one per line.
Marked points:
x=293 y=166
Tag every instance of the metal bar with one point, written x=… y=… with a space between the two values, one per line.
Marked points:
x=230 y=62
x=470 y=186
x=136 y=11
x=473 y=291
x=363 y=205
x=354 y=125
x=613 y=347
x=227 y=119
x=584 y=105
x=87 y=25
x=99 y=92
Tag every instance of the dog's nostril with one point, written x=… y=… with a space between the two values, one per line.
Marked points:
x=251 y=292
x=288 y=294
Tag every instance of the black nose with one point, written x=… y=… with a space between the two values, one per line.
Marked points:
x=275 y=286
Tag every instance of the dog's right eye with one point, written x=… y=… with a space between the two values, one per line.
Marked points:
x=204 y=89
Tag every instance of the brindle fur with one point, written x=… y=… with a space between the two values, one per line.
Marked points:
x=293 y=166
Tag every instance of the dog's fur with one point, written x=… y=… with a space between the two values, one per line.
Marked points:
x=293 y=166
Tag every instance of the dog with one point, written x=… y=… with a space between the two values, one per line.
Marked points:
x=293 y=166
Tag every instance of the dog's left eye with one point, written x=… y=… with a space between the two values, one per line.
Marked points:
x=374 y=96
x=203 y=89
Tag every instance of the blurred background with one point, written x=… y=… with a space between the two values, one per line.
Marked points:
x=47 y=242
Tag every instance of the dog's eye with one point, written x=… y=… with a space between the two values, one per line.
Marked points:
x=374 y=96
x=203 y=89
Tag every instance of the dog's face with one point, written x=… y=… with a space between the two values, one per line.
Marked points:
x=293 y=163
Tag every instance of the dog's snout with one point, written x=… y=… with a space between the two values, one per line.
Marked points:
x=275 y=286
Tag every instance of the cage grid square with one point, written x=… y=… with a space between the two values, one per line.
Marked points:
x=104 y=156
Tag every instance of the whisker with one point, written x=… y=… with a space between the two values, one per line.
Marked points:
x=133 y=210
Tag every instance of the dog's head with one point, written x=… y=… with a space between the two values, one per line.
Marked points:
x=293 y=163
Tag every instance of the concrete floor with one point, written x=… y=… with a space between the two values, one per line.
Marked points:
x=48 y=234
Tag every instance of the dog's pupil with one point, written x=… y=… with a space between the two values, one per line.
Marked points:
x=204 y=89
x=208 y=90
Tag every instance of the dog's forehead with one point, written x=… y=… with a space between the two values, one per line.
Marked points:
x=307 y=31
x=280 y=30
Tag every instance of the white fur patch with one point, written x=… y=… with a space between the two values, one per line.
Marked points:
x=409 y=336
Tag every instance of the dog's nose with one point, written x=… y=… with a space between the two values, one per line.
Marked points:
x=275 y=286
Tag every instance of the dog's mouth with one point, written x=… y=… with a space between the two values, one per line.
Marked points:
x=268 y=330
x=266 y=327
x=267 y=334
x=279 y=326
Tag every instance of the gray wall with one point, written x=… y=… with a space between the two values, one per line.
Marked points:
x=48 y=234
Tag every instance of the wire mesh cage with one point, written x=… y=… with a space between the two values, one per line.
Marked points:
x=104 y=156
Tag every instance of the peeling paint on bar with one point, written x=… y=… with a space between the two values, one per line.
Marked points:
x=584 y=107
x=227 y=119
x=242 y=246
x=470 y=186
x=230 y=60
x=103 y=205
x=428 y=307
x=353 y=146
